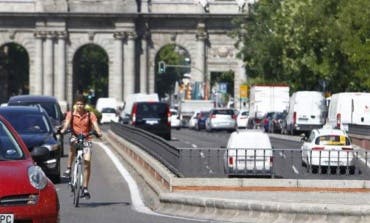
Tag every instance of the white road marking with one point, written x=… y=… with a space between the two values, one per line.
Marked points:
x=136 y=199
x=202 y=155
x=282 y=155
x=295 y=170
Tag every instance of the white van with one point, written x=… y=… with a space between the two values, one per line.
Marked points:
x=106 y=103
x=306 y=111
x=248 y=152
x=349 y=108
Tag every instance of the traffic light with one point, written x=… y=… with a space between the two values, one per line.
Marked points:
x=161 y=67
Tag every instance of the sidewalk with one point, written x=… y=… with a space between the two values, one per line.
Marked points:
x=269 y=207
x=250 y=200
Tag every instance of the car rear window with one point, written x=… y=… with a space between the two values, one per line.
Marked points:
x=108 y=110
x=223 y=112
x=152 y=110
x=332 y=140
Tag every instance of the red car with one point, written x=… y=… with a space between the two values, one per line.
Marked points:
x=26 y=194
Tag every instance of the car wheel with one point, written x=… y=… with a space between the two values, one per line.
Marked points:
x=167 y=136
x=55 y=178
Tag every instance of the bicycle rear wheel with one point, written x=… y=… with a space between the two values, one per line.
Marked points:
x=77 y=185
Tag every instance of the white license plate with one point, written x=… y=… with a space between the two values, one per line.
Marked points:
x=6 y=218
x=152 y=122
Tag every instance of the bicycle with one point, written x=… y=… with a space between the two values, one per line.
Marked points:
x=77 y=175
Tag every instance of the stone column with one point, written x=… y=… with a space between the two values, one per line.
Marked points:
x=201 y=62
x=60 y=79
x=49 y=65
x=116 y=78
x=129 y=65
x=144 y=66
x=37 y=85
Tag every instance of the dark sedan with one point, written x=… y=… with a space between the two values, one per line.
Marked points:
x=34 y=126
x=49 y=103
x=202 y=118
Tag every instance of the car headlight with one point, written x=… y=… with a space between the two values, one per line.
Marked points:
x=53 y=147
x=37 y=177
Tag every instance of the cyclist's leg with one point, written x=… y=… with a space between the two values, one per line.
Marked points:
x=71 y=155
x=87 y=170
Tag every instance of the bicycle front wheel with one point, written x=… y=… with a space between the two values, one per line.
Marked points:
x=77 y=185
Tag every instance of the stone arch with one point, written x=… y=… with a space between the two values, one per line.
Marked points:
x=14 y=75
x=78 y=40
x=98 y=81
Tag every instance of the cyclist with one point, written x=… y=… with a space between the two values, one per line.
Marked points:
x=81 y=122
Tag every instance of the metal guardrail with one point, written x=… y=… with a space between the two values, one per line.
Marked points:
x=359 y=129
x=152 y=144
x=221 y=162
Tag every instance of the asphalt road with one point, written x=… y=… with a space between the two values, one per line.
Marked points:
x=205 y=152
x=111 y=200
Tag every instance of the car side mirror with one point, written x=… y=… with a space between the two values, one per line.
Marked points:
x=40 y=154
x=303 y=138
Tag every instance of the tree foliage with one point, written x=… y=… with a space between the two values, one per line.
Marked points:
x=91 y=70
x=309 y=44
x=171 y=54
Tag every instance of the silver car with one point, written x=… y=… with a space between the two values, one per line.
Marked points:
x=221 y=119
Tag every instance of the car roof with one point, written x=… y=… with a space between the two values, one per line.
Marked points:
x=330 y=131
x=32 y=98
x=249 y=139
x=23 y=109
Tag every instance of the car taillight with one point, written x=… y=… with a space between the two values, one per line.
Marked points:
x=339 y=120
x=133 y=115
x=213 y=116
x=271 y=159
x=318 y=148
x=231 y=161
x=347 y=148
x=294 y=117
x=168 y=117
x=234 y=117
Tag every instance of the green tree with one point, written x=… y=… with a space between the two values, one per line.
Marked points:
x=307 y=42
x=171 y=54
x=91 y=70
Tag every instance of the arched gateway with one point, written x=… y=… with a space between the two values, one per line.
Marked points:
x=130 y=32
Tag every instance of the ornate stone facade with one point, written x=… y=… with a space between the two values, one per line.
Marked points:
x=131 y=33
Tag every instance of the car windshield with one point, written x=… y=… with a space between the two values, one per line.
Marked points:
x=50 y=108
x=9 y=148
x=330 y=140
x=28 y=123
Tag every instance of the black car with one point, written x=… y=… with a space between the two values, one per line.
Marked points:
x=154 y=117
x=277 y=122
x=34 y=126
x=49 y=103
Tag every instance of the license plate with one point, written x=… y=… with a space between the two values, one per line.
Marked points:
x=151 y=122
x=6 y=218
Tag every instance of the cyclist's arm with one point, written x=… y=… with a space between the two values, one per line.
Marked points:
x=67 y=122
x=95 y=124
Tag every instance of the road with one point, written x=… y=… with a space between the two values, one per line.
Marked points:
x=111 y=200
x=287 y=156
